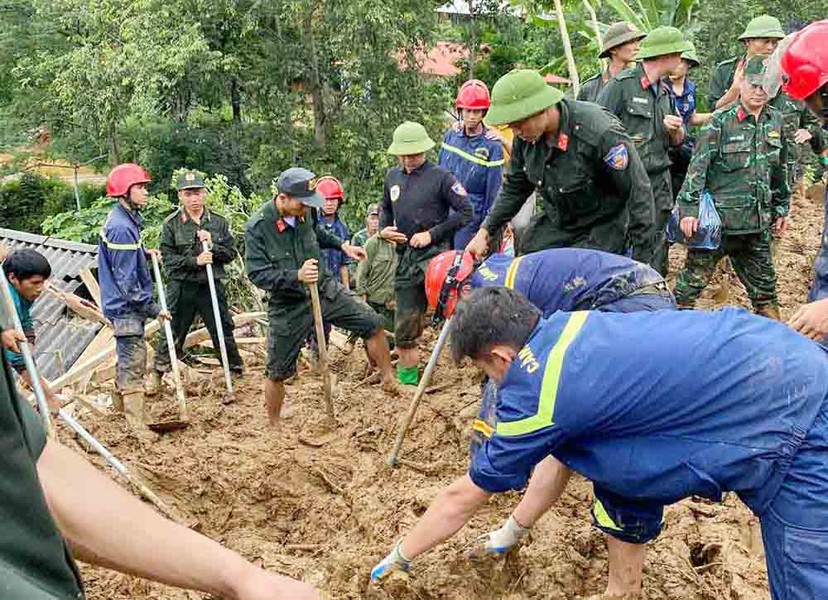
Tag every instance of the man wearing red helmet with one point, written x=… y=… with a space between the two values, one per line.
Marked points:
x=334 y=195
x=802 y=62
x=474 y=158
x=126 y=285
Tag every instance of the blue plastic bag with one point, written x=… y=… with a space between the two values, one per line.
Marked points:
x=708 y=235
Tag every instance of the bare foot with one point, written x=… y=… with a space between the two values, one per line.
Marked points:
x=390 y=386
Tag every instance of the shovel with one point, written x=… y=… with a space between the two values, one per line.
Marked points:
x=183 y=419
x=323 y=351
x=392 y=459
x=28 y=358
x=231 y=396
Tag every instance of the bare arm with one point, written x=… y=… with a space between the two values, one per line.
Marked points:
x=106 y=526
x=446 y=516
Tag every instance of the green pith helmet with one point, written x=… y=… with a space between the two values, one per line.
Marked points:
x=619 y=34
x=410 y=138
x=519 y=94
x=755 y=69
x=661 y=41
x=690 y=55
x=763 y=26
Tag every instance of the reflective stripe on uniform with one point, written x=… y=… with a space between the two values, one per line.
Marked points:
x=602 y=517
x=471 y=157
x=511 y=273
x=116 y=246
x=483 y=427
x=551 y=379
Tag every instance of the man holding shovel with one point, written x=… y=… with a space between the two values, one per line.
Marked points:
x=282 y=250
x=126 y=285
x=182 y=246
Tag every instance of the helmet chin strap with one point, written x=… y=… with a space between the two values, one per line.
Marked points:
x=451 y=283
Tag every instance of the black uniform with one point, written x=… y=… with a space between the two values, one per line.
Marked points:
x=428 y=199
x=188 y=292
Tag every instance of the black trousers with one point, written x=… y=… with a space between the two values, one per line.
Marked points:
x=185 y=299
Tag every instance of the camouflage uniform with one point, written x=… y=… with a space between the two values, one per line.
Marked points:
x=742 y=161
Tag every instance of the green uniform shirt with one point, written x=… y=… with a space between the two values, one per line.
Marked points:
x=743 y=163
x=641 y=107
x=34 y=561
x=375 y=274
x=360 y=237
x=593 y=189
x=795 y=115
x=722 y=79
x=592 y=87
x=180 y=245
x=275 y=250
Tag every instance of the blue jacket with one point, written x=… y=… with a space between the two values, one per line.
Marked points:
x=335 y=258
x=658 y=406
x=567 y=279
x=123 y=272
x=23 y=308
x=477 y=163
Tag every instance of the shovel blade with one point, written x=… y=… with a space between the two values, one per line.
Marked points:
x=167 y=426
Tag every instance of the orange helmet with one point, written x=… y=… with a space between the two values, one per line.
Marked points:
x=330 y=187
x=473 y=95
x=445 y=276
x=123 y=177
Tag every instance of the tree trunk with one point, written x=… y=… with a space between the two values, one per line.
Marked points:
x=570 y=58
x=593 y=19
x=235 y=100
x=114 y=148
x=472 y=39
x=314 y=84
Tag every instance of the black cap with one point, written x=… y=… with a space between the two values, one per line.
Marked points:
x=190 y=180
x=300 y=183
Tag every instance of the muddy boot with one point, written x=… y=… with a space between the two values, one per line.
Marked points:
x=118 y=401
x=134 y=408
x=770 y=311
x=153 y=387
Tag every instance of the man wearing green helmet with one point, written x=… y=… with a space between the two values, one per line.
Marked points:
x=761 y=37
x=423 y=206
x=593 y=188
x=620 y=45
x=640 y=99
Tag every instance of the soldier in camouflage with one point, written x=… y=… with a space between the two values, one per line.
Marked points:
x=620 y=45
x=741 y=159
x=641 y=100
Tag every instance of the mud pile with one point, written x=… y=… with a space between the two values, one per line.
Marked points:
x=321 y=505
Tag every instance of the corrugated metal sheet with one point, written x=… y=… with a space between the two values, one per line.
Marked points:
x=61 y=335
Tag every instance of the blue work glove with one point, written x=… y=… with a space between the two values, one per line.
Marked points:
x=395 y=562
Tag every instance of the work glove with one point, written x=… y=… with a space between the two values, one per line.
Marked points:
x=500 y=541
x=395 y=562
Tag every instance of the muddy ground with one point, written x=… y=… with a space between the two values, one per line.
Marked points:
x=323 y=506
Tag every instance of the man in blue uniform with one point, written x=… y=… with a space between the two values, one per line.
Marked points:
x=562 y=279
x=475 y=160
x=740 y=404
x=126 y=285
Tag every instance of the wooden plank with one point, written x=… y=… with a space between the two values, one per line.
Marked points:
x=202 y=335
x=240 y=341
x=92 y=285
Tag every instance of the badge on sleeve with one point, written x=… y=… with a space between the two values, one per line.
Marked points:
x=394 y=192
x=617 y=158
x=458 y=189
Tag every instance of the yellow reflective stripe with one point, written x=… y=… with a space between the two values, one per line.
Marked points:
x=549 y=387
x=115 y=246
x=511 y=273
x=602 y=516
x=472 y=158
x=483 y=427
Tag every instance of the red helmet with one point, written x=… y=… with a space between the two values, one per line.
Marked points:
x=446 y=274
x=473 y=95
x=123 y=177
x=330 y=187
x=805 y=61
